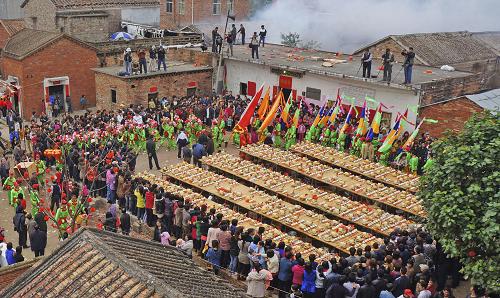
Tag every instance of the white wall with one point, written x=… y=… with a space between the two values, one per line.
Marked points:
x=395 y=99
x=142 y=15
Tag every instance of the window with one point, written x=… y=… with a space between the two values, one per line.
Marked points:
x=216 y=7
x=113 y=95
x=34 y=20
x=230 y=6
x=243 y=88
x=181 y=6
x=313 y=93
x=170 y=6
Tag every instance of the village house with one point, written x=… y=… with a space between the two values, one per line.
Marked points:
x=8 y=28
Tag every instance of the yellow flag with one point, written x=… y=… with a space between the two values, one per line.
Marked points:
x=272 y=113
x=264 y=105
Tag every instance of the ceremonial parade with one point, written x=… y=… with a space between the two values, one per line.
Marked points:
x=275 y=168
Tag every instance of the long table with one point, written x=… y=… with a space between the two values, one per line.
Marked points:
x=270 y=232
x=369 y=217
x=317 y=227
x=358 y=166
x=337 y=179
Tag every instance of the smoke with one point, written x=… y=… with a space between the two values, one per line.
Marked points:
x=346 y=25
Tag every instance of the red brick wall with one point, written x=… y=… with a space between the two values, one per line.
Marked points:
x=62 y=58
x=450 y=114
x=203 y=12
x=168 y=85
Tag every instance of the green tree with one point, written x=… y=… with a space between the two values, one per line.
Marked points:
x=290 y=39
x=462 y=197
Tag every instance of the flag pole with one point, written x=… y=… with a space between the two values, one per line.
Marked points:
x=221 y=53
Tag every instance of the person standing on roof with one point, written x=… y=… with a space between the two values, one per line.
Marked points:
x=388 y=60
x=242 y=32
x=408 y=64
x=366 y=59
x=127 y=60
x=214 y=35
x=254 y=45
x=262 y=34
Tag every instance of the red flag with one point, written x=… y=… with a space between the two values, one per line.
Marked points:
x=248 y=113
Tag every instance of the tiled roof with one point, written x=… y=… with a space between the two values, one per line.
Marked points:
x=10 y=273
x=440 y=48
x=28 y=41
x=491 y=39
x=96 y=263
x=13 y=26
x=78 y=4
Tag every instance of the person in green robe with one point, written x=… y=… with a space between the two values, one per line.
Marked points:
x=236 y=139
x=341 y=142
x=317 y=133
x=290 y=137
x=356 y=148
x=222 y=126
x=8 y=184
x=326 y=136
x=309 y=134
x=34 y=199
x=428 y=164
x=413 y=163
x=40 y=169
x=215 y=135
x=14 y=194
x=62 y=217
x=384 y=158
x=277 y=135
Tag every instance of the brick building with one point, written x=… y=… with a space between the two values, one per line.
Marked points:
x=47 y=64
x=8 y=28
x=476 y=52
x=453 y=113
x=178 y=13
x=89 y=20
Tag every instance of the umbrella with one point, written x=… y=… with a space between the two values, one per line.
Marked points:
x=121 y=35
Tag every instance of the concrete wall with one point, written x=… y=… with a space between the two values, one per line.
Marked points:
x=442 y=90
x=11 y=9
x=87 y=27
x=396 y=99
x=142 y=15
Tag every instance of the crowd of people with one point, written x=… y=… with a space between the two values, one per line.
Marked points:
x=257 y=39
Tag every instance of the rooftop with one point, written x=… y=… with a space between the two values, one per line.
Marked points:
x=440 y=48
x=172 y=67
x=312 y=61
x=92 y=4
x=13 y=26
x=28 y=41
x=95 y=263
x=489 y=100
x=490 y=38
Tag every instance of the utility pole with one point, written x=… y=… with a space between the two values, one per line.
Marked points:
x=222 y=50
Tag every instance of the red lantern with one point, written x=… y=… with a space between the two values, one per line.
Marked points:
x=26 y=175
x=471 y=253
x=47 y=181
x=47 y=171
x=99 y=226
x=40 y=209
x=92 y=209
x=49 y=190
x=89 y=200
x=46 y=218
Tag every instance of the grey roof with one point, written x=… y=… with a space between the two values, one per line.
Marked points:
x=28 y=41
x=78 y=4
x=95 y=263
x=490 y=38
x=489 y=100
x=441 y=48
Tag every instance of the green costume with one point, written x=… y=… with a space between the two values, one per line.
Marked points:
x=326 y=137
x=9 y=185
x=40 y=171
x=317 y=133
x=236 y=139
x=35 y=200
x=333 y=138
x=384 y=158
x=428 y=164
x=290 y=137
x=277 y=136
x=220 y=137
x=356 y=148
x=215 y=135
x=310 y=133
x=341 y=142
x=13 y=196
x=62 y=217
x=413 y=164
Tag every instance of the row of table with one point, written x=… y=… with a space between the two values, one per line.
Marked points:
x=270 y=232
x=359 y=166
x=337 y=179
x=366 y=217
x=320 y=229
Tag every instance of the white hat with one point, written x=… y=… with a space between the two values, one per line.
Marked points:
x=128 y=50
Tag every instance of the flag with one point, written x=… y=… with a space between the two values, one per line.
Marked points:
x=231 y=16
x=338 y=105
x=393 y=135
x=318 y=116
x=375 y=127
x=347 y=120
x=286 y=109
x=248 y=113
x=362 y=127
x=326 y=117
x=414 y=134
x=272 y=113
x=297 y=115
x=264 y=105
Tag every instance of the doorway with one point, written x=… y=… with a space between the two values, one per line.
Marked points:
x=286 y=93
x=243 y=89
x=57 y=91
x=191 y=91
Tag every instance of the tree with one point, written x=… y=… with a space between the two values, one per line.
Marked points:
x=462 y=197
x=290 y=39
